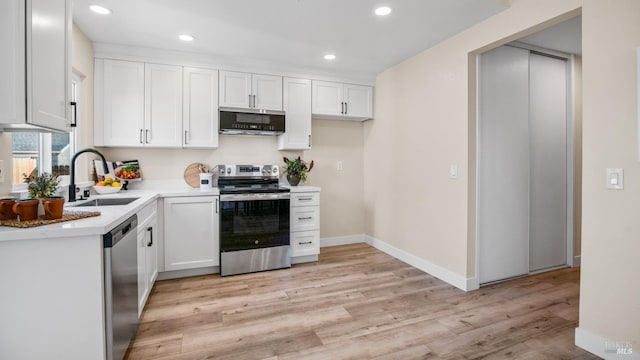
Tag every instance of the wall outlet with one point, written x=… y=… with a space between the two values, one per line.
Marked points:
x=1 y=171
x=339 y=165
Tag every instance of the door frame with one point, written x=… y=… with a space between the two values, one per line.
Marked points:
x=570 y=156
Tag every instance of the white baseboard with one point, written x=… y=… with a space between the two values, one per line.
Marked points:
x=606 y=349
x=441 y=273
x=342 y=240
x=576 y=261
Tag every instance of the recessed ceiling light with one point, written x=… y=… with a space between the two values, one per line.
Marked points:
x=329 y=57
x=185 y=37
x=383 y=11
x=100 y=9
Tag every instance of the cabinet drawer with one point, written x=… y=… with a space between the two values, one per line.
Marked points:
x=305 y=218
x=305 y=199
x=305 y=243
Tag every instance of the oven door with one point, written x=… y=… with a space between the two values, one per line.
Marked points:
x=252 y=221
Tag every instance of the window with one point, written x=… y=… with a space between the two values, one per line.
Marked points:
x=35 y=153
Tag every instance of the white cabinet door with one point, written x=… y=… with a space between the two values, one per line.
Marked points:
x=267 y=92
x=163 y=105
x=12 y=62
x=119 y=111
x=235 y=89
x=200 y=116
x=297 y=106
x=151 y=260
x=48 y=63
x=191 y=232
x=143 y=284
x=358 y=101
x=327 y=98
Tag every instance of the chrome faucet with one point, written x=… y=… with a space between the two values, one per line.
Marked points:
x=72 y=182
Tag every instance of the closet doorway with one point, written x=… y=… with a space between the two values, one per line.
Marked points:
x=525 y=162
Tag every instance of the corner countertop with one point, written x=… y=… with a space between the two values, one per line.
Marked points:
x=111 y=216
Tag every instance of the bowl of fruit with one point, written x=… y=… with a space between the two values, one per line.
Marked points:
x=107 y=186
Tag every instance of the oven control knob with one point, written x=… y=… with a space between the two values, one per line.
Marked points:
x=264 y=171
x=256 y=242
x=221 y=171
x=274 y=170
x=228 y=170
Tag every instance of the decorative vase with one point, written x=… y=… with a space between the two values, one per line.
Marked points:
x=293 y=180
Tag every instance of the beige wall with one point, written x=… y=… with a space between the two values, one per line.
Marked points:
x=610 y=287
x=82 y=63
x=425 y=122
x=341 y=196
x=577 y=151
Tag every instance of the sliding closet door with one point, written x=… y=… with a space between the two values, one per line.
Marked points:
x=503 y=164
x=548 y=139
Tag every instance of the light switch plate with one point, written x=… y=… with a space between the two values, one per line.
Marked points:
x=615 y=179
x=453 y=172
x=1 y=171
x=339 y=166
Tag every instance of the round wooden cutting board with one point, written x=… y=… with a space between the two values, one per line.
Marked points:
x=192 y=175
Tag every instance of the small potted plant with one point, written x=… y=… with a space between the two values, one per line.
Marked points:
x=296 y=170
x=43 y=187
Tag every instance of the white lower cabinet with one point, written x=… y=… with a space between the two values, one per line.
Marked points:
x=191 y=232
x=305 y=226
x=147 y=253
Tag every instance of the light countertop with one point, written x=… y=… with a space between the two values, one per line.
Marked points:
x=111 y=216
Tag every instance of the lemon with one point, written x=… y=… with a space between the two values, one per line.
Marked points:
x=115 y=184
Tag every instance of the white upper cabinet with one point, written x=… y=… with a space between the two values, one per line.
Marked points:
x=267 y=92
x=200 y=116
x=250 y=91
x=342 y=101
x=163 y=105
x=235 y=89
x=35 y=67
x=137 y=104
x=119 y=103
x=297 y=106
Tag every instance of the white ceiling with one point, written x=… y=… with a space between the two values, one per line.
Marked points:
x=565 y=36
x=291 y=34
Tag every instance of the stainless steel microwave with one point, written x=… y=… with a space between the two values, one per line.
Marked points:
x=250 y=121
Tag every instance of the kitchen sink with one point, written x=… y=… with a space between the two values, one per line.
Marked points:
x=107 y=202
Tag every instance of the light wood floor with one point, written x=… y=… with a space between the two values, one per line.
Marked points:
x=358 y=303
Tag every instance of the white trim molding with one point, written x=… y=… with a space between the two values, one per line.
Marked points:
x=605 y=348
x=342 y=240
x=576 y=261
x=448 y=276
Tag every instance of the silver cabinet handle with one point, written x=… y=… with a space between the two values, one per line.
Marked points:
x=254 y=101
x=342 y=107
x=305 y=218
x=146 y=136
x=186 y=140
x=141 y=134
x=305 y=199
x=309 y=140
x=249 y=100
x=217 y=202
x=305 y=243
x=346 y=108
x=75 y=114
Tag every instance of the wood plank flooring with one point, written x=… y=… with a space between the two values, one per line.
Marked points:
x=358 y=303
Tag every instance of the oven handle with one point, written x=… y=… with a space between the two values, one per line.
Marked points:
x=254 y=197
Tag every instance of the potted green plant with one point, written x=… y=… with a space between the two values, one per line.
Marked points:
x=296 y=170
x=43 y=188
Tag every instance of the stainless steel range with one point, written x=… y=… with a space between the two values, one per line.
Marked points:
x=254 y=219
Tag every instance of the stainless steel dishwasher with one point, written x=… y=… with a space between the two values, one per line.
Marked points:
x=121 y=287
